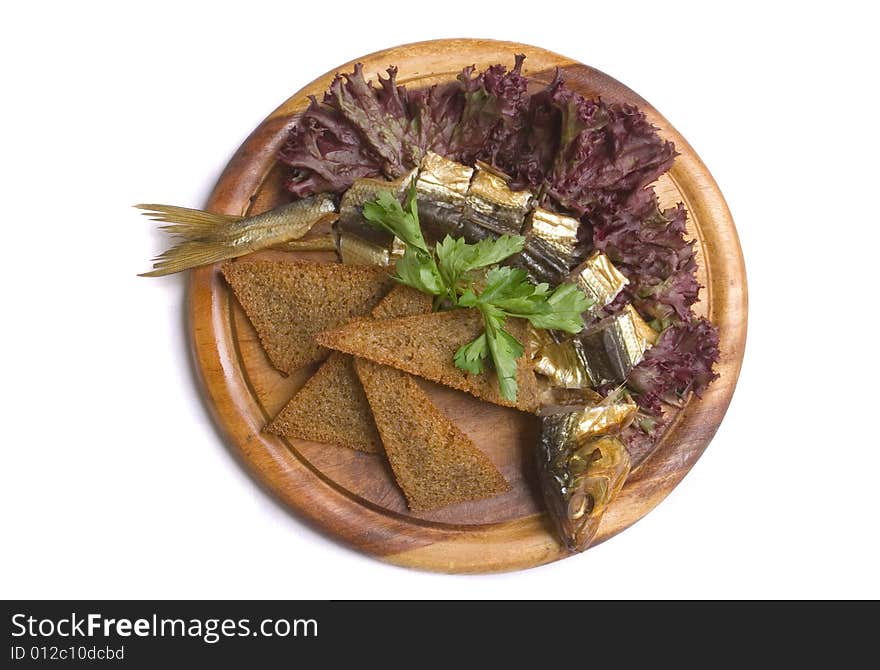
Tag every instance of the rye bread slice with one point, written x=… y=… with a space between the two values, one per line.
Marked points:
x=332 y=407
x=289 y=301
x=425 y=346
x=402 y=301
x=433 y=461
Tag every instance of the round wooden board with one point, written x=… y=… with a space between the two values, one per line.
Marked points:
x=351 y=495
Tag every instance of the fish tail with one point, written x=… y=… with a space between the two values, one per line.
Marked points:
x=190 y=224
x=187 y=255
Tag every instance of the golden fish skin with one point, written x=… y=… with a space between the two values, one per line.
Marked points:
x=550 y=249
x=582 y=469
x=442 y=175
x=351 y=214
x=606 y=418
x=646 y=335
x=492 y=205
x=441 y=189
x=599 y=280
x=562 y=362
x=354 y=250
x=614 y=346
x=317 y=243
x=209 y=238
x=357 y=241
x=554 y=398
x=603 y=354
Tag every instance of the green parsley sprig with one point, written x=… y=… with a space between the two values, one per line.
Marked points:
x=459 y=274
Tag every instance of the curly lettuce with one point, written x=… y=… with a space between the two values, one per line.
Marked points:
x=589 y=158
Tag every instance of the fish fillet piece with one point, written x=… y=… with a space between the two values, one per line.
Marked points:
x=332 y=407
x=289 y=301
x=433 y=461
x=425 y=346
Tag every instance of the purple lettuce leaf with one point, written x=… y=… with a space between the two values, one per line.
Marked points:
x=585 y=157
x=491 y=117
x=642 y=434
x=679 y=363
x=649 y=246
x=588 y=154
x=605 y=150
x=380 y=115
x=326 y=153
x=534 y=149
x=434 y=114
x=362 y=130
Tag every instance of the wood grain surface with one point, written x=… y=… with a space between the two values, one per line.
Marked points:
x=351 y=495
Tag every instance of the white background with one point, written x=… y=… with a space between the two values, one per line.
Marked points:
x=115 y=482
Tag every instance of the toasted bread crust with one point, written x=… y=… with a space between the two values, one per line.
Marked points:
x=330 y=408
x=402 y=301
x=425 y=345
x=289 y=301
x=433 y=461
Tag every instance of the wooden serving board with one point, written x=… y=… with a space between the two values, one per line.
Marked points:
x=352 y=495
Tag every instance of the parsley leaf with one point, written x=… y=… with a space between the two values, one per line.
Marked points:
x=418 y=271
x=510 y=290
x=456 y=259
x=504 y=348
x=417 y=267
x=386 y=213
x=565 y=307
x=453 y=271
x=469 y=357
